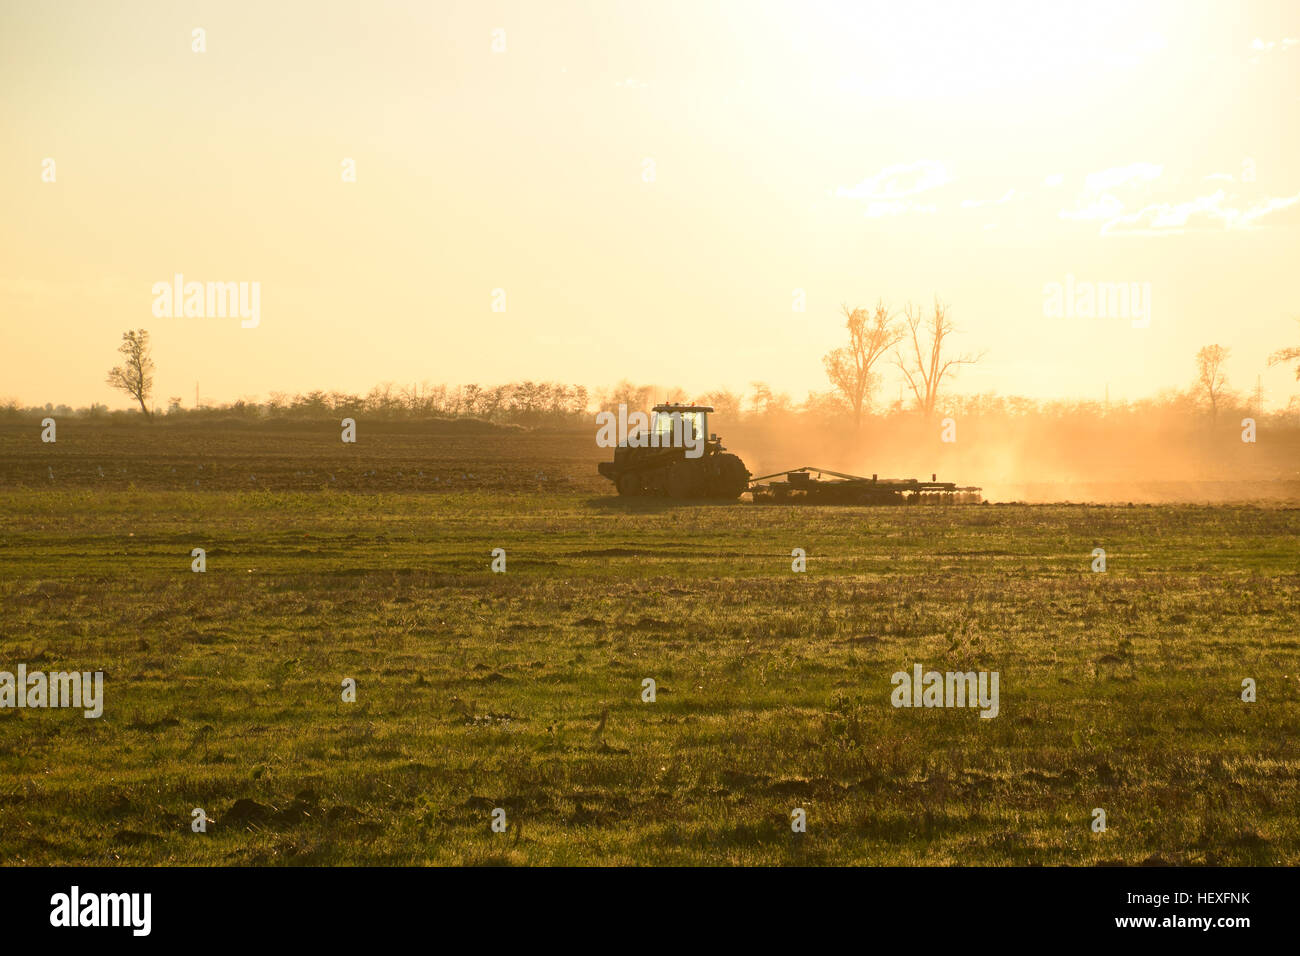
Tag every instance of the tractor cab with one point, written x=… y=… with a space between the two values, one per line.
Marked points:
x=678 y=458
x=675 y=426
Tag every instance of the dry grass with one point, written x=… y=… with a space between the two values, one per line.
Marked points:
x=479 y=690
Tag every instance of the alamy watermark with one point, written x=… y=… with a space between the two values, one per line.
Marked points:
x=208 y=300
x=953 y=689
x=1075 y=299
x=75 y=908
x=671 y=430
x=82 y=689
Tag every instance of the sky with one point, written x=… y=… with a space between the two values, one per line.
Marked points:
x=589 y=192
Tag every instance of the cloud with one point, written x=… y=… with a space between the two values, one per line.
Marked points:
x=1263 y=49
x=1121 y=199
x=1263 y=46
x=1100 y=197
x=1215 y=211
x=1157 y=217
x=1279 y=210
x=890 y=191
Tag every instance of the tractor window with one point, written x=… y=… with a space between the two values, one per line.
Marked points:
x=664 y=428
x=693 y=424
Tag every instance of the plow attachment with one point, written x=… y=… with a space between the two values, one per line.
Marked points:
x=821 y=486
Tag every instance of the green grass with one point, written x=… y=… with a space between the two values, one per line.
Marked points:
x=479 y=690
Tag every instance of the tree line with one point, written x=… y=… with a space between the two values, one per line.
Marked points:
x=919 y=343
x=915 y=341
x=544 y=404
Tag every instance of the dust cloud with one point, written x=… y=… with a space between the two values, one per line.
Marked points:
x=1129 y=457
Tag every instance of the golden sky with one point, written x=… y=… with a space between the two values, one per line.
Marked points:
x=855 y=151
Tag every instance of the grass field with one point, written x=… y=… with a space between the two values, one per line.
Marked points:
x=522 y=690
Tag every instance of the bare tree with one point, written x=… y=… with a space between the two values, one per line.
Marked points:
x=725 y=403
x=849 y=367
x=765 y=403
x=926 y=367
x=417 y=398
x=469 y=399
x=1211 y=381
x=135 y=375
x=1291 y=354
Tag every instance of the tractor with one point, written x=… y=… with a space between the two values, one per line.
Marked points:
x=676 y=457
